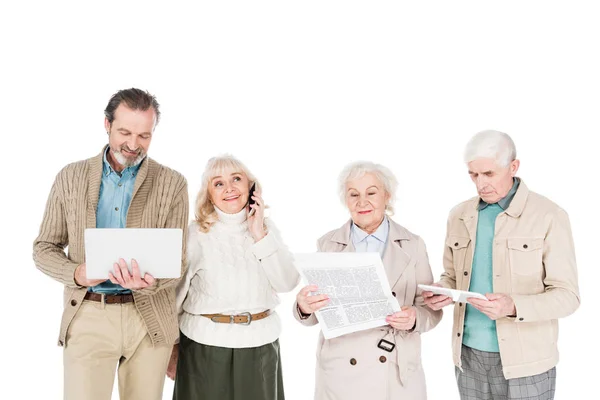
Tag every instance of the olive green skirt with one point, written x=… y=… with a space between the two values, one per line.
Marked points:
x=221 y=373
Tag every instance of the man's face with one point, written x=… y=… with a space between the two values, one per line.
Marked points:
x=492 y=181
x=129 y=135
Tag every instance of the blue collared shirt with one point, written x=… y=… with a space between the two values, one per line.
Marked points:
x=363 y=242
x=116 y=191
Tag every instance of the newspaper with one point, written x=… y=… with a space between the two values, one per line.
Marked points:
x=356 y=283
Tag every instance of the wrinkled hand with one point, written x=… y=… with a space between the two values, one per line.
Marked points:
x=172 y=367
x=435 y=301
x=81 y=277
x=309 y=304
x=498 y=306
x=404 y=320
x=133 y=281
x=256 y=221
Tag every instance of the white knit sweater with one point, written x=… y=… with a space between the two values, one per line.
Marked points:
x=228 y=273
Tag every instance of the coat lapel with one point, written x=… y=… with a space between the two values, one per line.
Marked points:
x=470 y=217
x=141 y=191
x=93 y=189
x=395 y=258
x=341 y=238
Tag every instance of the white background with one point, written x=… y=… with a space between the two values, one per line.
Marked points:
x=297 y=90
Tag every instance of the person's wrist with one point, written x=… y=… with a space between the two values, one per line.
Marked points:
x=301 y=313
x=77 y=277
x=258 y=236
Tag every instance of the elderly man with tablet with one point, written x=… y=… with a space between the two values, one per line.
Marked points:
x=514 y=246
x=125 y=320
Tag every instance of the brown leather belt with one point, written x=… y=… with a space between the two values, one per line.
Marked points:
x=109 y=298
x=243 y=318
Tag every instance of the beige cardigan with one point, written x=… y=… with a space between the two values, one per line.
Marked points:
x=160 y=200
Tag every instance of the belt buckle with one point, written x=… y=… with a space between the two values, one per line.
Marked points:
x=116 y=299
x=247 y=314
x=385 y=345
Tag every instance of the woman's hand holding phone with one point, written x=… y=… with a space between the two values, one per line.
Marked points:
x=256 y=214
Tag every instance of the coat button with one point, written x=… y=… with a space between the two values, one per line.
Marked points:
x=458 y=334
x=73 y=302
x=521 y=319
x=456 y=244
x=382 y=359
x=524 y=246
x=353 y=361
x=465 y=273
x=394 y=294
x=460 y=304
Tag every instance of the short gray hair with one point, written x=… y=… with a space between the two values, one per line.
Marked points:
x=491 y=144
x=358 y=169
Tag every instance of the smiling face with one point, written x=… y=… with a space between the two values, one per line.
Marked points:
x=229 y=191
x=129 y=136
x=366 y=199
x=493 y=182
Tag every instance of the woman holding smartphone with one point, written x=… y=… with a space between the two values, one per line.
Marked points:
x=237 y=263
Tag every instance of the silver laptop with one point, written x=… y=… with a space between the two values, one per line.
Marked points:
x=157 y=251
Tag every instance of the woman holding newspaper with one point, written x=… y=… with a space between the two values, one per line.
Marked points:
x=383 y=362
x=229 y=347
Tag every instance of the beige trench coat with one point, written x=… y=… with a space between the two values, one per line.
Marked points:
x=352 y=366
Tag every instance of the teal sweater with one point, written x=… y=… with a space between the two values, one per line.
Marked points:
x=480 y=330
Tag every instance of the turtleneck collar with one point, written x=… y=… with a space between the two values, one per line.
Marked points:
x=231 y=219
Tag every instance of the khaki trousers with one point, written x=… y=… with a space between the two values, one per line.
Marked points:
x=103 y=339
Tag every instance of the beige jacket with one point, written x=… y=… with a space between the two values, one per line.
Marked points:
x=352 y=366
x=534 y=262
x=160 y=200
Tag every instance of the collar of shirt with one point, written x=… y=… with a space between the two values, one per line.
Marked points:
x=505 y=201
x=381 y=234
x=107 y=169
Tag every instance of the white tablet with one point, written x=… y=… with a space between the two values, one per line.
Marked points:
x=157 y=251
x=456 y=295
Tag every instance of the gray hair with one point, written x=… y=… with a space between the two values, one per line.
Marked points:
x=491 y=144
x=358 y=169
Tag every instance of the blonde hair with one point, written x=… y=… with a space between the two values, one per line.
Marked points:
x=358 y=169
x=205 y=213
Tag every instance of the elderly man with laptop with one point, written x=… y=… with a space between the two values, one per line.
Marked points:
x=129 y=320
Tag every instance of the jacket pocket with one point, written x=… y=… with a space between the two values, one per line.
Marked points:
x=409 y=344
x=525 y=259
x=525 y=255
x=537 y=340
x=459 y=246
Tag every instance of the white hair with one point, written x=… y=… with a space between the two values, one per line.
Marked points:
x=491 y=144
x=358 y=169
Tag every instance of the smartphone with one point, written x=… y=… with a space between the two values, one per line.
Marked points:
x=250 y=199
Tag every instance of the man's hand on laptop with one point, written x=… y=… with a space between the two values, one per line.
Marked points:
x=133 y=280
x=81 y=277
